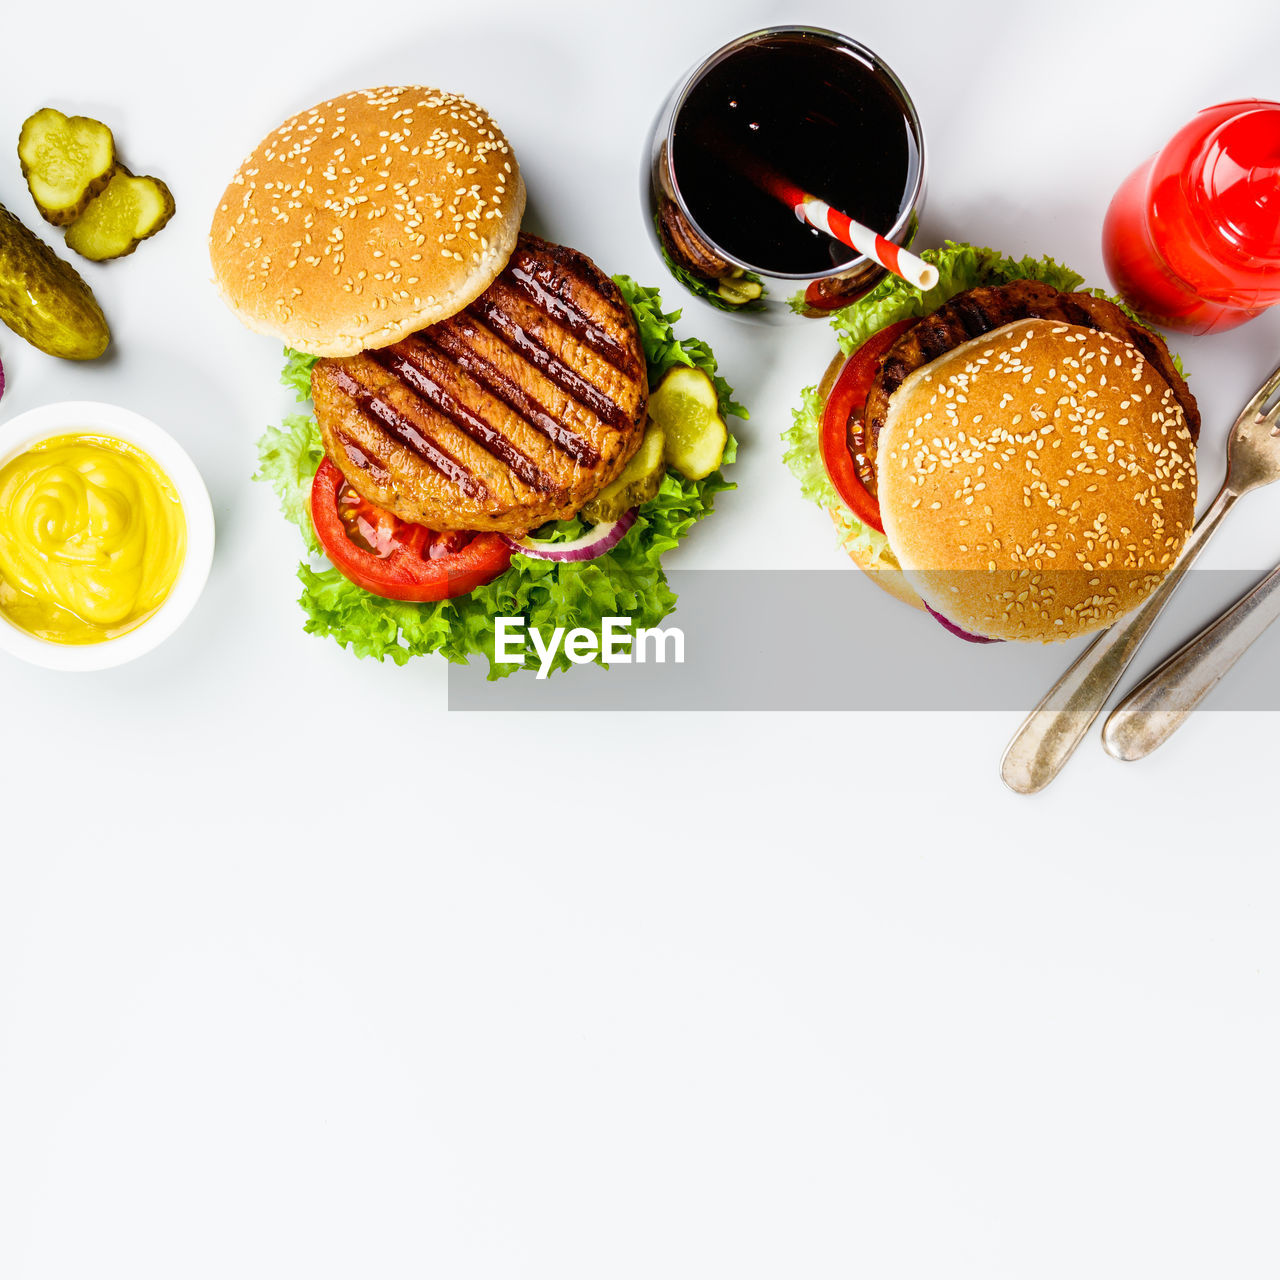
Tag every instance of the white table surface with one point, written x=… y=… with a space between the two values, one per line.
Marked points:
x=301 y=975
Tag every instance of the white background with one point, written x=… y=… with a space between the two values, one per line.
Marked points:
x=302 y=976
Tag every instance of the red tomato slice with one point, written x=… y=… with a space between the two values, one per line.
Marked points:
x=848 y=398
x=392 y=558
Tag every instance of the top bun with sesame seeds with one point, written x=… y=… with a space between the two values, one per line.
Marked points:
x=1038 y=481
x=367 y=218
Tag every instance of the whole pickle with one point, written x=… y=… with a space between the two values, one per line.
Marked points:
x=44 y=299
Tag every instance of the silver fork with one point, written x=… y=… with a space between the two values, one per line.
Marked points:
x=1052 y=732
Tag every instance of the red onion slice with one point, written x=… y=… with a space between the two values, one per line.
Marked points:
x=602 y=538
x=1 y=379
x=960 y=631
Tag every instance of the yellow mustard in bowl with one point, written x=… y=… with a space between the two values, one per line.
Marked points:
x=92 y=538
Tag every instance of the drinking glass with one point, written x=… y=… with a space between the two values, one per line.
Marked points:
x=754 y=289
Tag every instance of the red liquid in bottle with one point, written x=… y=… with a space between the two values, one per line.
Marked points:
x=1192 y=238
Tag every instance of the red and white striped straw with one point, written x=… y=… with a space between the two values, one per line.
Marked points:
x=892 y=257
x=817 y=213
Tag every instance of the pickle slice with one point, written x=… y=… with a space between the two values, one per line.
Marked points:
x=66 y=161
x=687 y=408
x=44 y=300
x=128 y=212
x=638 y=483
x=739 y=291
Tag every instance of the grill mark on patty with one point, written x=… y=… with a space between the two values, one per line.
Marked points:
x=361 y=458
x=422 y=382
x=529 y=348
x=976 y=319
x=548 y=284
x=406 y=432
x=455 y=337
x=935 y=338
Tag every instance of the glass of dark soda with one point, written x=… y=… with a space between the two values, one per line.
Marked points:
x=813 y=106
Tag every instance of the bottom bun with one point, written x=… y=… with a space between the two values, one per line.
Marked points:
x=871 y=553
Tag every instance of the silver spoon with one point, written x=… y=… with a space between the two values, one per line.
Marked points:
x=1052 y=732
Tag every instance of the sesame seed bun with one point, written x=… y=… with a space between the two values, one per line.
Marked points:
x=1037 y=482
x=366 y=218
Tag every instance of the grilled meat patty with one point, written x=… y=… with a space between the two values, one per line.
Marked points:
x=516 y=411
x=980 y=310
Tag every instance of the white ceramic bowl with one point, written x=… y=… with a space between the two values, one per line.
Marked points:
x=74 y=417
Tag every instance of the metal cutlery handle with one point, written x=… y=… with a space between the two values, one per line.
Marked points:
x=1160 y=703
x=1052 y=732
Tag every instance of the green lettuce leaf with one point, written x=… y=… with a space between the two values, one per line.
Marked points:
x=288 y=456
x=663 y=350
x=297 y=374
x=628 y=581
x=960 y=267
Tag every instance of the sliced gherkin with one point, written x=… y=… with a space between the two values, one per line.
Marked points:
x=66 y=161
x=738 y=291
x=638 y=483
x=686 y=406
x=44 y=300
x=115 y=223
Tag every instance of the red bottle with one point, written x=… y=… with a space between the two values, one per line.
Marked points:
x=1192 y=238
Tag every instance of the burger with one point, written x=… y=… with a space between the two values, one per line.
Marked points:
x=1008 y=452
x=495 y=429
